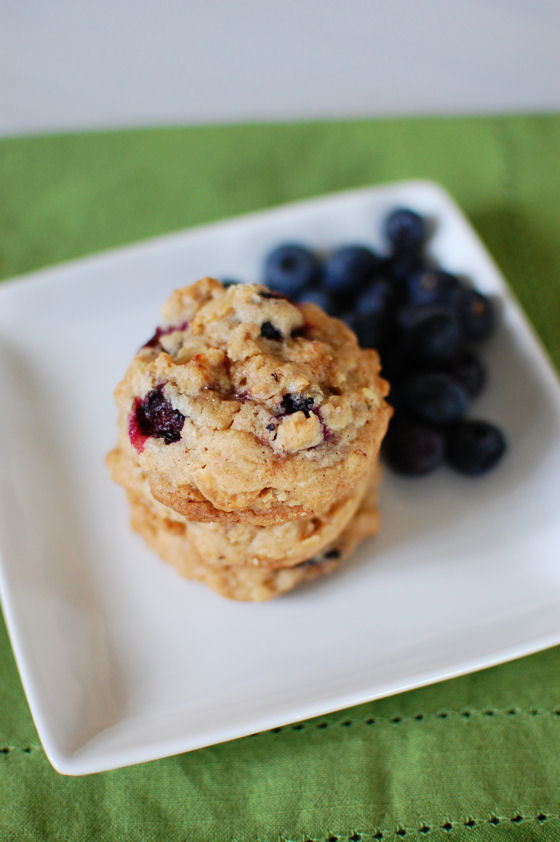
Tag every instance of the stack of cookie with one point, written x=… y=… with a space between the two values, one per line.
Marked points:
x=249 y=432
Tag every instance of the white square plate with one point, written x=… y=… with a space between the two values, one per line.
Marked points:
x=123 y=661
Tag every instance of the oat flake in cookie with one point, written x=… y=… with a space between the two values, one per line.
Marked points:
x=243 y=407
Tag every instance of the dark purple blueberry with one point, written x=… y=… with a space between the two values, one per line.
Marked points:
x=289 y=268
x=371 y=329
x=395 y=364
x=378 y=297
x=155 y=417
x=296 y=402
x=318 y=297
x=373 y=309
x=468 y=371
x=405 y=230
x=434 y=338
x=408 y=315
x=398 y=267
x=433 y=397
x=334 y=553
x=348 y=269
x=434 y=286
x=413 y=449
x=230 y=282
x=270 y=332
x=474 y=447
x=393 y=397
x=476 y=314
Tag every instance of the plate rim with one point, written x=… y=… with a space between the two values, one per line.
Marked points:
x=79 y=762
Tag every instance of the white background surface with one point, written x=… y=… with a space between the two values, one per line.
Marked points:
x=69 y=64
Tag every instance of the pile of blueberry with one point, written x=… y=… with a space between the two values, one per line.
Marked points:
x=424 y=321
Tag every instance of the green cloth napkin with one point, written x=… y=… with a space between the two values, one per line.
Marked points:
x=476 y=758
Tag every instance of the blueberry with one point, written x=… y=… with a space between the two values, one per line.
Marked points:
x=371 y=329
x=398 y=267
x=474 y=447
x=395 y=365
x=405 y=230
x=434 y=286
x=348 y=269
x=318 y=297
x=378 y=297
x=371 y=319
x=433 y=397
x=434 y=338
x=476 y=314
x=230 y=282
x=289 y=268
x=295 y=402
x=270 y=332
x=468 y=371
x=413 y=449
x=409 y=315
x=156 y=418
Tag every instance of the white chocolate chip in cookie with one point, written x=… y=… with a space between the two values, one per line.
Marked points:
x=298 y=432
x=370 y=397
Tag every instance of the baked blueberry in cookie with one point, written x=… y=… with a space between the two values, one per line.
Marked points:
x=270 y=332
x=297 y=403
x=153 y=342
x=154 y=417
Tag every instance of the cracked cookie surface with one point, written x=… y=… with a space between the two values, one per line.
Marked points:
x=246 y=408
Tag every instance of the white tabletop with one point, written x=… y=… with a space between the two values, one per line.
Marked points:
x=70 y=64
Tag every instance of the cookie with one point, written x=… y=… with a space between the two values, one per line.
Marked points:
x=243 y=544
x=246 y=408
x=249 y=583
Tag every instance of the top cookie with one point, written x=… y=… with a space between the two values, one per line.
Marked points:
x=246 y=407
